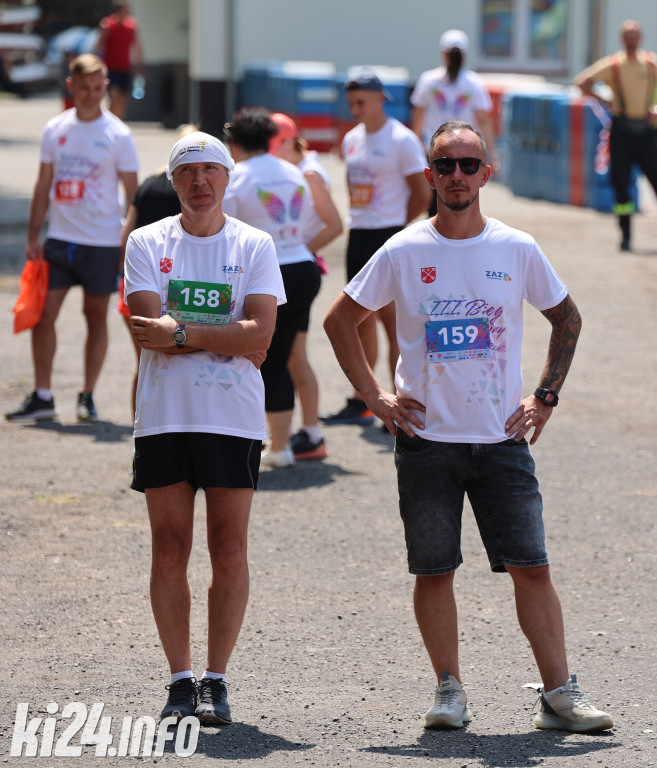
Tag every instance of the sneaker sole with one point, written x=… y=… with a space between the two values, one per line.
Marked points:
x=548 y=722
x=317 y=453
x=441 y=721
x=86 y=417
x=36 y=416
x=209 y=718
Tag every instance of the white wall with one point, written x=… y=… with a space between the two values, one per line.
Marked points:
x=163 y=26
x=350 y=32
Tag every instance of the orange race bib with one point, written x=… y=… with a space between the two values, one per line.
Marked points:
x=69 y=191
x=361 y=195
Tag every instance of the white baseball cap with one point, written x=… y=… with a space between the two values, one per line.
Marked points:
x=454 y=38
x=199 y=147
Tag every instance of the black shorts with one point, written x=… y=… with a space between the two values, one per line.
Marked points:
x=363 y=244
x=120 y=80
x=202 y=459
x=94 y=267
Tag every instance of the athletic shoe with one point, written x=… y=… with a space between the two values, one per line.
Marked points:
x=568 y=709
x=212 y=707
x=33 y=408
x=182 y=699
x=304 y=448
x=278 y=459
x=86 y=408
x=451 y=707
x=354 y=412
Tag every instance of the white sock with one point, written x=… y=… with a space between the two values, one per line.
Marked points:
x=556 y=690
x=181 y=675
x=207 y=675
x=314 y=433
x=44 y=394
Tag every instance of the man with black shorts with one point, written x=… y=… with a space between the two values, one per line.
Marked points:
x=203 y=289
x=86 y=155
x=459 y=281
x=119 y=43
x=385 y=173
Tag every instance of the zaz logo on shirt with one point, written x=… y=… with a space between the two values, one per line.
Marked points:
x=491 y=274
x=236 y=270
x=428 y=274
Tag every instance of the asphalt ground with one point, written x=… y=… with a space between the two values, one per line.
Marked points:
x=329 y=669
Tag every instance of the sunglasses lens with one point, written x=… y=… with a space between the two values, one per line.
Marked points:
x=445 y=165
x=469 y=165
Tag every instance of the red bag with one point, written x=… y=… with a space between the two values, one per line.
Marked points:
x=32 y=295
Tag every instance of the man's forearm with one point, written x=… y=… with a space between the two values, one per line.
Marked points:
x=566 y=326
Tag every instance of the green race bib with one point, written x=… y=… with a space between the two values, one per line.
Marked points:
x=193 y=302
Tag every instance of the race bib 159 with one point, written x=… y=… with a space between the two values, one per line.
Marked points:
x=461 y=339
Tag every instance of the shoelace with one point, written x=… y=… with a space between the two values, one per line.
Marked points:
x=206 y=690
x=179 y=691
x=447 y=697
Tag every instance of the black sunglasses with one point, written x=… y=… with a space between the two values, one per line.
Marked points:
x=446 y=165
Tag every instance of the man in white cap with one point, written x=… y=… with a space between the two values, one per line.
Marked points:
x=387 y=190
x=452 y=92
x=202 y=289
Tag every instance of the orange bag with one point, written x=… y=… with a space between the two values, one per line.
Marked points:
x=32 y=295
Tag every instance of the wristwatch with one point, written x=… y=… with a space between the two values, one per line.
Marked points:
x=180 y=336
x=547 y=396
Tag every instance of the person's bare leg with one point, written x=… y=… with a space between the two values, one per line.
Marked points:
x=44 y=338
x=118 y=101
x=228 y=511
x=95 y=349
x=436 y=615
x=541 y=620
x=279 y=426
x=171 y=514
x=305 y=381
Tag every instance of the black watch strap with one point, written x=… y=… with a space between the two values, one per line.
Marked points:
x=547 y=396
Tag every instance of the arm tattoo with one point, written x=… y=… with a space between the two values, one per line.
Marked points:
x=566 y=325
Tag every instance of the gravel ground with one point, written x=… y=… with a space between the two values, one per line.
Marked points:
x=329 y=669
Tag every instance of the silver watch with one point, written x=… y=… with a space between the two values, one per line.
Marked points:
x=180 y=336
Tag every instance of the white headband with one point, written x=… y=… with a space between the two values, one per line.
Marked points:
x=198 y=147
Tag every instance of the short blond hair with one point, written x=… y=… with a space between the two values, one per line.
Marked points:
x=87 y=64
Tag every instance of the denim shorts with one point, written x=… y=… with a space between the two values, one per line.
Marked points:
x=501 y=485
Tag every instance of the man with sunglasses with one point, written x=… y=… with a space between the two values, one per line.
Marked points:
x=459 y=281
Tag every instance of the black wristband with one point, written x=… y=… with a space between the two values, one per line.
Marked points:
x=547 y=396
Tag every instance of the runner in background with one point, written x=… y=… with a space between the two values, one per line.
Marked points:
x=323 y=227
x=387 y=190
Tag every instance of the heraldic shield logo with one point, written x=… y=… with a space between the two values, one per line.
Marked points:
x=428 y=274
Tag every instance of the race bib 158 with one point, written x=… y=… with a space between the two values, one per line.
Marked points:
x=194 y=302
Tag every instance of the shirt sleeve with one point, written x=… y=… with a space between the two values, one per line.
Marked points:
x=411 y=155
x=420 y=92
x=544 y=288
x=375 y=285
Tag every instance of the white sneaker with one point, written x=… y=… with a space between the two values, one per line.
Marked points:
x=278 y=459
x=568 y=709
x=451 y=707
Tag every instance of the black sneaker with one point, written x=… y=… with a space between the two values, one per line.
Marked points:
x=212 y=707
x=34 y=408
x=304 y=448
x=354 y=412
x=182 y=699
x=86 y=407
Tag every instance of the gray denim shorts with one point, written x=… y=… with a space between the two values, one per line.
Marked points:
x=501 y=485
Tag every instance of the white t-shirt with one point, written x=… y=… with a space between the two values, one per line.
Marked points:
x=271 y=194
x=201 y=391
x=310 y=162
x=86 y=200
x=377 y=166
x=460 y=321
x=445 y=101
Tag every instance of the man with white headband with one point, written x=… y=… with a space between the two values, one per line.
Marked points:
x=202 y=289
